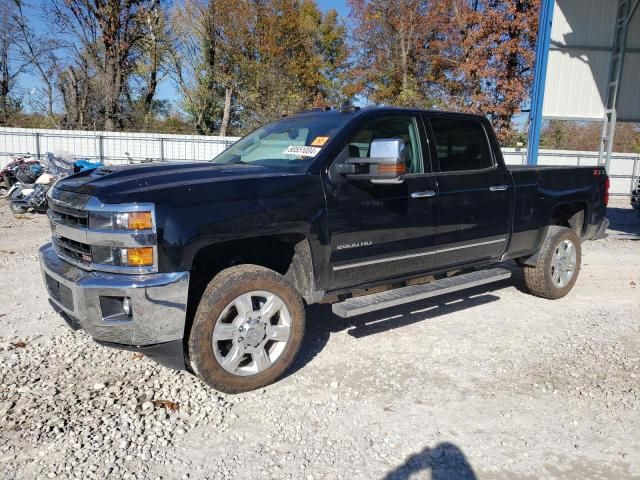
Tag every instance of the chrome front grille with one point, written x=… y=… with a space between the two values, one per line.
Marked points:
x=67 y=209
x=77 y=252
x=65 y=215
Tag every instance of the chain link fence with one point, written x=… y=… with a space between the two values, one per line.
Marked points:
x=110 y=147
x=119 y=148
x=624 y=171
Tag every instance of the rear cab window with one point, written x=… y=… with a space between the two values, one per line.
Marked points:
x=461 y=145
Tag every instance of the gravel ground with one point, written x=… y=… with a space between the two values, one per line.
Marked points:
x=489 y=383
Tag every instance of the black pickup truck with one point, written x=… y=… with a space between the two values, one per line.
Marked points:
x=208 y=266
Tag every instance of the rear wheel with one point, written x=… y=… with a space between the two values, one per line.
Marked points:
x=557 y=266
x=247 y=329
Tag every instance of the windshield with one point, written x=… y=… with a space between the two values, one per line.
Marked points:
x=290 y=143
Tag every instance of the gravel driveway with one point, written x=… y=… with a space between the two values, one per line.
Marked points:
x=488 y=383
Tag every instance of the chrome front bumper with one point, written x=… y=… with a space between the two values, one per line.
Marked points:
x=158 y=301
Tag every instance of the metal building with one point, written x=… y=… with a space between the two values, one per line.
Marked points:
x=587 y=67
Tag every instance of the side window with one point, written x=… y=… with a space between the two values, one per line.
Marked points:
x=404 y=127
x=461 y=145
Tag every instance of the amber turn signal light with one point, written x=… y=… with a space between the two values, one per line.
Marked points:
x=140 y=221
x=138 y=257
x=391 y=169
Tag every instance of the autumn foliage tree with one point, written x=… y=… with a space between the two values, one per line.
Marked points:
x=390 y=40
x=469 y=55
x=488 y=50
x=249 y=61
x=236 y=64
x=585 y=136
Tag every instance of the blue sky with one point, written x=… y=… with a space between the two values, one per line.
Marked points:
x=340 y=6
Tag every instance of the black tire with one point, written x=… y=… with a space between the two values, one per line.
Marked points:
x=225 y=288
x=539 y=279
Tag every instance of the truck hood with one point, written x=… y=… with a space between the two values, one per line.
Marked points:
x=123 y=180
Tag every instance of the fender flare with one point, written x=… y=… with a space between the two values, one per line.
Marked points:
x=301 y=273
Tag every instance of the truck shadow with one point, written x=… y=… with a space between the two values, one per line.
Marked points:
x=624 y=222
x=446 y=462
x=321 y=321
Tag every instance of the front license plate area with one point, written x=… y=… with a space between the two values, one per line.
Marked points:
x=59 y=292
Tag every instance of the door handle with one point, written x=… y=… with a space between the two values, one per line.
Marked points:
x=423 y=194
x=498 y=188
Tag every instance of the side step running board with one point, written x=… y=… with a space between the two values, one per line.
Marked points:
x=391 y=298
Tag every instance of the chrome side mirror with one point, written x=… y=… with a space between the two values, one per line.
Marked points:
x=385 y=165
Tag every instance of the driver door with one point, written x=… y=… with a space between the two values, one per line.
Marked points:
x=382 y=231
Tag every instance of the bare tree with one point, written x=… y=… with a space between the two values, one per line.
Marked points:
x=74 y=83
x=39 y=52
x=10 y=66
x=155 y=51
x=111 y=33
x=193 y=60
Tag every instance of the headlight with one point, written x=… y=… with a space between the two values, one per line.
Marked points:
x=140 y=221
x=121 y=220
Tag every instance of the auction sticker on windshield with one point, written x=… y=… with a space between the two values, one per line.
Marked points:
x=319 y=141
x=302 y=150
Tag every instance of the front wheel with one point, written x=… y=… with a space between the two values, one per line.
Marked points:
x=247 y=329
x=558 y=264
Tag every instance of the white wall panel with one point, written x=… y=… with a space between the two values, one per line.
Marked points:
x=633 y=40
x=575 y=84
x=583 y=22
x=582 y=38
x=629 y=106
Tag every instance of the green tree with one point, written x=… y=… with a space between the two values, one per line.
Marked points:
x=241 y=63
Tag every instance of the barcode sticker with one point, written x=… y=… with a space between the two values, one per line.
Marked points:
x=302 y=151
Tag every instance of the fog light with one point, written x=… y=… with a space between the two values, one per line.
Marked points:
x=137 y=257
x=126 y=306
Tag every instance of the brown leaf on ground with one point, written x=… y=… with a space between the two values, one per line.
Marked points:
x=19 y=344
x=167 y=405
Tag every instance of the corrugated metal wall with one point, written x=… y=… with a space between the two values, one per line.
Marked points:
x=579 y=59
